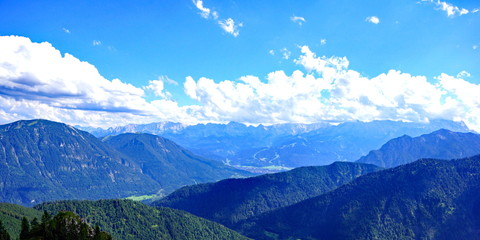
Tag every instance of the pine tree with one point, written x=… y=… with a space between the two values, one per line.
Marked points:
x=96 y=235
x=25 y=229
x=3 y=232
x=34 y=223
x=46 y=217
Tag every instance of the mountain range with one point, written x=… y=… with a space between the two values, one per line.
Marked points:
x=344 y=142
x=441 y=144
x=284 y=145
x=231 y=200
x=221 y=142
x=426 y=199
x=42 y=160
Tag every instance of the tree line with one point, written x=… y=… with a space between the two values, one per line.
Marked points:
x=63 y=226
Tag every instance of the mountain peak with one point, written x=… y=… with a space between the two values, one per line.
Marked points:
x=440 y=144
x=57 y=161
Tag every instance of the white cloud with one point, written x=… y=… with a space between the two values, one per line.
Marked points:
x=37 y=81
x=271 y=52
x=332 y=91
x=168 y=80
x=323 y=41
x=282 y=98
x=373 y=19
x=327 y=67
x=204 y=12
x=463 y=74
x=475 y=47
x=66 y=30
x=96 y=43
x=475 y=10
x=229 y=26
x=158 y=88
x=450 y=9
x=298 y=20
x=285 y=53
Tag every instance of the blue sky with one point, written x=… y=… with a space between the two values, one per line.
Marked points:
x=248 y=61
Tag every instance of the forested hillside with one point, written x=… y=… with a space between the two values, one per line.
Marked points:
x=232 y=200
x=129 y=220
x=42 y=160
x=169 y=164
x=427 y=199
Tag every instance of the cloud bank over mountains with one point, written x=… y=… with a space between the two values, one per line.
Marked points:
x=37 y=81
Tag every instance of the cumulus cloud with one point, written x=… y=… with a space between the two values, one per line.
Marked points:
x=331 y=91
x=38 y=71
x=327 y=67
x=158 y=86
x=298 y=20
x=450 y=9
x=37 y=81
x=96 y=43
x=229 y=26
x=66 y=30
x=373 y=19
x=282 y=98
x=323 y=41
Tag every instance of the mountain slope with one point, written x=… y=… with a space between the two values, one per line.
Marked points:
x=232 y=200
x=285 y=145
x=441 y=144
x=11 y=216
x=42 y=160
x=427 y=199
x=128 y=220
x=169 y=164
x=214 y=141
x=345 y=142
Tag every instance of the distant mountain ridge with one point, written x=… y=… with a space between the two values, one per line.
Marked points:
x=426 y=199
x=345 y=142
x=441 y=144
x=42 y=160
x=231 y=200
x=286 y=145
x=221 y=142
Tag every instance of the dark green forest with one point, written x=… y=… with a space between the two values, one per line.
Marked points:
x=427 y=199
x=63 y=226
x=232 y=200
x=126 y=219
